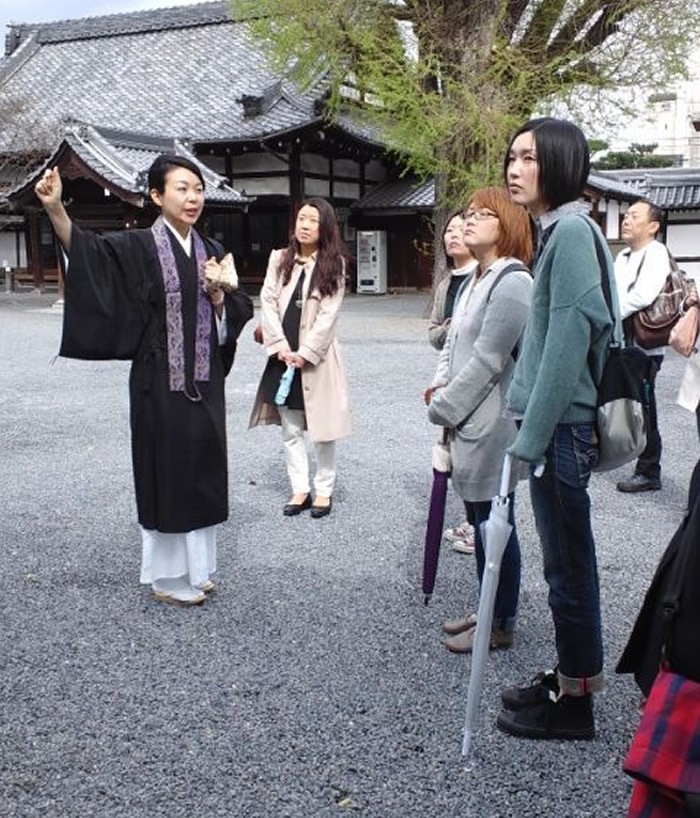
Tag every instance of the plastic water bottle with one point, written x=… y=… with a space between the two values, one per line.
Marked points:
x=285 y=385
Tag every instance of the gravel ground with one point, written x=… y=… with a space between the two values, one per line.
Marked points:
x=314 y=683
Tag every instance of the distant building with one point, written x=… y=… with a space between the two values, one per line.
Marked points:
x=96 y=90
x=677 y=192
x=102 y=96
x=671 y=120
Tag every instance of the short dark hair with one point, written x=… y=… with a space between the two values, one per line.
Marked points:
x=563 y=159
x=656 y=214
x=163 y=164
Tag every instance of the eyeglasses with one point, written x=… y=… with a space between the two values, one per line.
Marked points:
x=478 y=215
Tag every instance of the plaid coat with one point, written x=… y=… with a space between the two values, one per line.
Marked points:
x=664 y=757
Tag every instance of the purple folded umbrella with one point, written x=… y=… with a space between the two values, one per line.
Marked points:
x=436 y=515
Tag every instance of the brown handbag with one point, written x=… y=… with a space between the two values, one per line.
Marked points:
x=684 y=335
x=652 y=326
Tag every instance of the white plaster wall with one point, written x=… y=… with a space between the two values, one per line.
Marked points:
x=8 y=250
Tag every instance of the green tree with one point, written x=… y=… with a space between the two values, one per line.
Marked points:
x=638 y=156
x=445 y=82
x=597 y=145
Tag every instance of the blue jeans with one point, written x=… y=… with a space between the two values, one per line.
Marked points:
x=506 y=605
x=563 y=517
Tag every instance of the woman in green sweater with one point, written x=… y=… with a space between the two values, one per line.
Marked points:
x=553 y=398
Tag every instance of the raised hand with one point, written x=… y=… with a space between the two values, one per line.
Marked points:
x=49 y=188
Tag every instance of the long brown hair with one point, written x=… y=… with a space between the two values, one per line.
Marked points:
x=331 y=253
x=515 y=232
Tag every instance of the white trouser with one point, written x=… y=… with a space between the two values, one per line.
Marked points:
x=297 y=460
x=169 y=556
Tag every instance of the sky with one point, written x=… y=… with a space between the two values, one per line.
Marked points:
x=35 y=11
x=40 y=11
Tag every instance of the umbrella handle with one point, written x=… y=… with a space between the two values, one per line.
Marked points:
x=505 y=476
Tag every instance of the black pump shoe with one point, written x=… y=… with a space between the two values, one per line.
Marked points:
x=292 y=509
x=322 y=511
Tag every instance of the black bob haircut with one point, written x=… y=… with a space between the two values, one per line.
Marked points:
x=563 y=159
x=165 y=163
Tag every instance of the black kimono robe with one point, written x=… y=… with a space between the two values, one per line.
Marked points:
x=115 y=309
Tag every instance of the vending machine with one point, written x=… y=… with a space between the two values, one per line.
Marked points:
x=371 y=261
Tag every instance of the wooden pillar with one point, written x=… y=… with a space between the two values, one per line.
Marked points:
x=296 y=181
x=33 y=220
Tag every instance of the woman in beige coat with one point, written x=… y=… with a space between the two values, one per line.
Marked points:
x=300 y=299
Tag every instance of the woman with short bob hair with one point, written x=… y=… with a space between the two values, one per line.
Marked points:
x=563 y=159
x=514 y=239
x=469 y=388
x=553 y=397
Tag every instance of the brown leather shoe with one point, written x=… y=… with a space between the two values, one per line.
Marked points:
x=455 y=626
x=464 y=642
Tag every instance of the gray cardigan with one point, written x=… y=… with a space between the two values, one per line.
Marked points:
x=474 y=371
x=439 y=325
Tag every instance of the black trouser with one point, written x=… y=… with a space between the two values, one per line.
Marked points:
x=649 y=463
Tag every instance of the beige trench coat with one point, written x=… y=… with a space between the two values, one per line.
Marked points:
x=325 y=389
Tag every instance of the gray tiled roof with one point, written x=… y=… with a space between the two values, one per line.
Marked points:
x=410 y=194
x=181 y=71
x=123 y=160
x=402 y=194
x=669 y=188
x=108 y=25
x=612 y=187
x=684 y=194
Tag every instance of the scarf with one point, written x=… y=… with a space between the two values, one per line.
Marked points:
x=173 y=311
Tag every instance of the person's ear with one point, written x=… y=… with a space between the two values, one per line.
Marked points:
x=156 y=197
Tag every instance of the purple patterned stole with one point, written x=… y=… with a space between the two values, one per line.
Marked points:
x=173 y=311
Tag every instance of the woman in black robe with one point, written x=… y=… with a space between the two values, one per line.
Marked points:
x=160 y=298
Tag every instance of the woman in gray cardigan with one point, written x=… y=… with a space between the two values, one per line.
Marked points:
x=469 y=387
x=461 y=265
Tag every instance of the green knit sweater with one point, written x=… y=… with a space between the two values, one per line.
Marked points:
x=566 y=339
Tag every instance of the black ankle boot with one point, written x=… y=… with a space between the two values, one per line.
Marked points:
x=567 y=718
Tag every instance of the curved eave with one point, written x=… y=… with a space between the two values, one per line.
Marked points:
x=286 y=134
x=69 y=161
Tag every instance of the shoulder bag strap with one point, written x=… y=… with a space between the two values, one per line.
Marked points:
x=604 y=277
x=605 y=285
x=509 y=268
x=631 y=286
